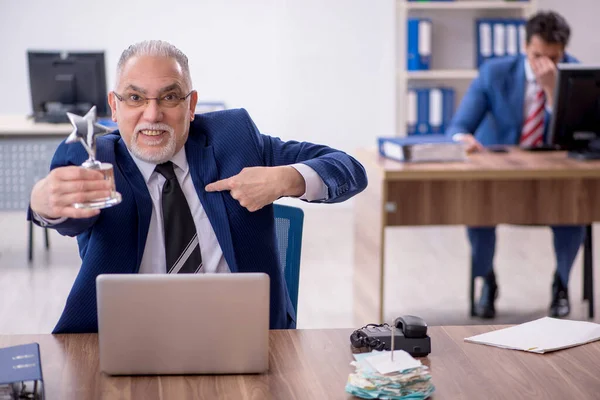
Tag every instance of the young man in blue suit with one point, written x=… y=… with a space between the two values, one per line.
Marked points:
x=510 y=104
x=216 y=173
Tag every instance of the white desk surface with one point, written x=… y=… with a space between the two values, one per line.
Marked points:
x=20 y=125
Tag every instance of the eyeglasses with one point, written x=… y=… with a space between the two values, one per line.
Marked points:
x=135 y=100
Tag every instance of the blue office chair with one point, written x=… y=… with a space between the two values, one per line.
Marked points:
x=288 y=228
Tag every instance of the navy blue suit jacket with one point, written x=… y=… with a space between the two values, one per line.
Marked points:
x=493 y=106
x=219 y=146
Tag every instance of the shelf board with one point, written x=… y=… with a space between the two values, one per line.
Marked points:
x=440 y=74
x=467 y=5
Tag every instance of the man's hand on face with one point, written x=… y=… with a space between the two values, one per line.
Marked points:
x=256 y=187
x=53 y=196
x=545 y=73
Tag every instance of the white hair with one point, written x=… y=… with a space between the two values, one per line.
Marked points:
x=156 y=48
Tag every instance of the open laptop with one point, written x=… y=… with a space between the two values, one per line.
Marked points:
x=183 y=323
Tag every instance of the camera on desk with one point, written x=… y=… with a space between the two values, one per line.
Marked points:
x=410 y=335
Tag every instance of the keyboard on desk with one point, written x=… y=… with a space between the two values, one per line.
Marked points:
x=51 y=118
x=544 y=147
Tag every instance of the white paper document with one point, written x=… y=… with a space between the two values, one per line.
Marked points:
x=541 y=336
x=382 y=361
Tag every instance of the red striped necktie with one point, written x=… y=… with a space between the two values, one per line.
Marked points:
x=533 y=129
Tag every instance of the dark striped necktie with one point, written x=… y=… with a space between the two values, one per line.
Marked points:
x=181 y=239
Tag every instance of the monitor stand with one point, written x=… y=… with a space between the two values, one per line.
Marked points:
x=591 y=152
x=543 y=147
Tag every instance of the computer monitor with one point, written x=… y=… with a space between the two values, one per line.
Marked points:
x=575 y=122
x=62 y=82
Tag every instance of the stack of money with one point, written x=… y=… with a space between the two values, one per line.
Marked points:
x=377 y=377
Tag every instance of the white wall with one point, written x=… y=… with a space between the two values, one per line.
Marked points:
x=582 y=16
x=310 y=70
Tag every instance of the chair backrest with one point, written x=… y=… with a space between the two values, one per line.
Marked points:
x=288 y=228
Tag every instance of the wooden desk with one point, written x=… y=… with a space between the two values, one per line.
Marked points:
x=515 y=188
x=314 y=364
x=11 y=125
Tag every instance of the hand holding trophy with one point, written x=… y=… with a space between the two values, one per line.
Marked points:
x=85 y=130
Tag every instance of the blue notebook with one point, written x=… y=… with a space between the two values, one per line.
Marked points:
x=421 y=148
x=417 y=139
x=22 y=364
x=108 y=122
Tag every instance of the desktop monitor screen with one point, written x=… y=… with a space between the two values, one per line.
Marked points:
x=575 y=123
x=62 y=82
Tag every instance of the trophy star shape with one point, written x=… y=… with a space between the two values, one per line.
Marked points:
x=85 y=130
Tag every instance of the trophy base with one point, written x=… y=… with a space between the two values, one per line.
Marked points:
x=101 y=203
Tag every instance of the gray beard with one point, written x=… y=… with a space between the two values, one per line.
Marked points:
x=156 y=155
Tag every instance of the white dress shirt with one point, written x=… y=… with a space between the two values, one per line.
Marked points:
x=154 y=258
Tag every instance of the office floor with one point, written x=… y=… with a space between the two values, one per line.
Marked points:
x=426 y=275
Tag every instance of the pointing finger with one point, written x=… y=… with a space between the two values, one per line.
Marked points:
x=223 y=184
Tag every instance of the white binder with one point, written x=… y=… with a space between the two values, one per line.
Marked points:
x=522 y=38
x=435 y=110
x=499 y=39
x=512 y=39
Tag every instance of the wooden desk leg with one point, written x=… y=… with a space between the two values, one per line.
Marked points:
x=30 y=242
x=369 y=240
x=588 y=271
x=586 y=258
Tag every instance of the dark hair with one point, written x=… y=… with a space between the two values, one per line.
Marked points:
x=550 y=26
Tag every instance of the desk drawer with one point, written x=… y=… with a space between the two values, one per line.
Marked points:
x=490 y=202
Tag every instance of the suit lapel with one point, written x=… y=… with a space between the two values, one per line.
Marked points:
x=203 y=169
x=517 y=97
x=140 y=193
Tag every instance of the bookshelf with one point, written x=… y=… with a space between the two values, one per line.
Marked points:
x=453 y=61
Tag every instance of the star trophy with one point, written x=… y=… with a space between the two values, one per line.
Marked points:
x=85 y=130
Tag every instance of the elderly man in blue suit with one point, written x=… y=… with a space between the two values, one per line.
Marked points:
x=510 y=104
x=197 y=189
